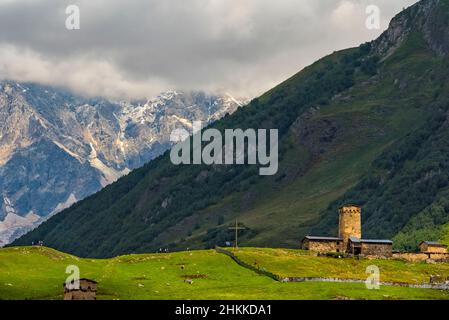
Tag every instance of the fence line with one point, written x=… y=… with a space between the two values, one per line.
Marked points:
x=247 y=265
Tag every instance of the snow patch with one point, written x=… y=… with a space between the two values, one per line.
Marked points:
x=65 y=149
x=110 y=175
x=13 y=226
x=64 y=205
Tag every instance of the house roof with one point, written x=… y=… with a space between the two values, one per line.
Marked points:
x=433 y=243
x=354 y=239
x=323 y=238
x=376 y=241
x=358 y=241
x=89 y=280
x=83 y=279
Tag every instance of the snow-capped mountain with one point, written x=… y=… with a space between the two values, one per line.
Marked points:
x=57 y=148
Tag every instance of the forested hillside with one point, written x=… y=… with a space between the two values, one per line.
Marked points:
x=366 y=125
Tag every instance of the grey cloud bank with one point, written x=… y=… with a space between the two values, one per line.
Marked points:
x=137 y=48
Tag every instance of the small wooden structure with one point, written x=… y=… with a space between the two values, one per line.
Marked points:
x=87 y=291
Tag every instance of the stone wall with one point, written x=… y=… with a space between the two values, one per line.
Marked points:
x=322 y=246
x=87 y=291
x=410 y=256
x=431 y=285
x=439 y=257
x=86 y=285
x=350 y=223
x=377 y=249
x=421 y=256
x=80 y=295
x=432 y=249
x=254 y=268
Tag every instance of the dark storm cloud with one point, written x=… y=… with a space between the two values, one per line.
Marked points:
x=138 y=48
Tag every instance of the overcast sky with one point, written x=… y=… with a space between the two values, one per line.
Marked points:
x=138 y=48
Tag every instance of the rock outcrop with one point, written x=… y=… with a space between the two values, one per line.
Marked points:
x=428 y=17
x=57 y=148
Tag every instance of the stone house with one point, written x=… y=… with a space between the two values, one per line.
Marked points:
x=432 y=247
x=323 y=244
x=370 y=247
x=87 y=291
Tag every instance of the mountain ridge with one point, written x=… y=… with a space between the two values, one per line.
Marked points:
x=57 y=148
x=344 y=122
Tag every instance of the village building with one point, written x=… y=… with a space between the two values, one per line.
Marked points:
x=323 y=244
x=370 y=247
x=432 y=247
x=349 y=238
x=87 y=291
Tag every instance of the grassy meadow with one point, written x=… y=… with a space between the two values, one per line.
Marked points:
x=39 y=273
x=301 y=263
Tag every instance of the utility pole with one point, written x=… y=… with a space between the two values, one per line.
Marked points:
x=236 y=229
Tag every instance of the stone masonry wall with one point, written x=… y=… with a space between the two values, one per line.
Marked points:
x=410 y=256
x=350 y=223
x=377 y=249
x=324 y=246
x=433 y=249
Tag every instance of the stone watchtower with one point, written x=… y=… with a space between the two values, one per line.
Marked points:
x=350 y=223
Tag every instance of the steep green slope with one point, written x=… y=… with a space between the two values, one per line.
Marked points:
x=404 y=195
x=128 y=215
x=364 y=125
x=39 y=273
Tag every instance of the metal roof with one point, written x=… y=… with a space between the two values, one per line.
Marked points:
x=353 y=239
x=433 y=243
x=376 y=241
x=323 y=238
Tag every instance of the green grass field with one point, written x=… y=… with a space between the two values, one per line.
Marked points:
x=39 y=273
x=300 y=263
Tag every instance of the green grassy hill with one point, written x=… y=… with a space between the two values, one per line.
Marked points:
x=39 y=273
x=299 y=263
x=366 y=125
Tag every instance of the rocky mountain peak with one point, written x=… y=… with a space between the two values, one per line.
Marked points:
x=57 y=148
x=430 y=18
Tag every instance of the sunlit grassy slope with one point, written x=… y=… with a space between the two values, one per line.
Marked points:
x=39 y=272
x=300 y=263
